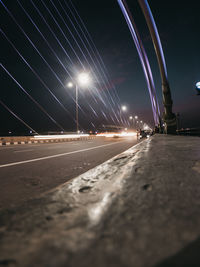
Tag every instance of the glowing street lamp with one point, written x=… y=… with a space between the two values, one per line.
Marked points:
x=198 y=85
x=124 y=108
x=82 y=80
x=136 y=117
x=198 y=88
x=131 y=118
x=70 y=84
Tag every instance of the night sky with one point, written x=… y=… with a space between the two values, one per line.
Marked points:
x=109 y=56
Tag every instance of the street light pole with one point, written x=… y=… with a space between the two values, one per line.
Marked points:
x=82 y=80
x=77 y=124
x=131 y=119
x=122 y=108
x=120 y=115
x=136 y=117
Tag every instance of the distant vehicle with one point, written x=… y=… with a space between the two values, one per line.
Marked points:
x=143 y=134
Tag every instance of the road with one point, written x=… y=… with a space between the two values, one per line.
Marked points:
x=26 y=171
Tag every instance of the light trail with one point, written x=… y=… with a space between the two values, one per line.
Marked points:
x=37 y=104
x=17 y=117
x=122 y=134
x=60 y=136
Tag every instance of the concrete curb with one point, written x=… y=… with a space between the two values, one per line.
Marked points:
x=14 y=142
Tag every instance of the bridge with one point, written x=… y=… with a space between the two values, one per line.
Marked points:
x=86 y=178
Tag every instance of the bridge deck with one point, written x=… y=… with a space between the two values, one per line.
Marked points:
x=140 y=208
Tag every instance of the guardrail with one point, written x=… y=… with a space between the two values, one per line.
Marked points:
x=189 y=131
x=22 y=140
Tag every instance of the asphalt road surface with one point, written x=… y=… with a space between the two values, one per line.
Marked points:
x=26 y=171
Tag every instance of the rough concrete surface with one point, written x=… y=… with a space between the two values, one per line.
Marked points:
x=141 y=208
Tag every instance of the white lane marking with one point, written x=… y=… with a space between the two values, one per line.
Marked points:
x=2 y=148
x=14 y=146
x=19 y=151
x=31 y=145
x=55 y=156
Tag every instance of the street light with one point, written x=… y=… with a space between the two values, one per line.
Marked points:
x=83 y=79
x=123 y=108
x=70 y=85
x=198 y=88
x=131 y=118
x=198 y=85
x=136 y=117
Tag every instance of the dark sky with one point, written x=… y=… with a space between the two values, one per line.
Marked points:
x=179 y=29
